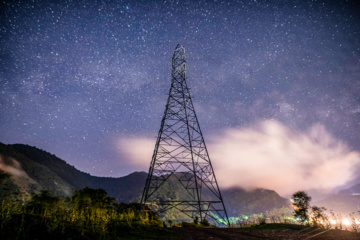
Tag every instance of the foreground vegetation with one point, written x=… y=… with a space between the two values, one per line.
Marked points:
x=91 y=214
x=88 y=214
x=267 y=231
x=317 y=217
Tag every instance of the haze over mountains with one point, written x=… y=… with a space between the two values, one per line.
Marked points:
x=25 y=170
x=44 y=171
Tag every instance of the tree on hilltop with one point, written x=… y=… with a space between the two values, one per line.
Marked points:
x=301 y=202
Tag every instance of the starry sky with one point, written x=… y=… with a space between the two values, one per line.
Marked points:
x=275 y=84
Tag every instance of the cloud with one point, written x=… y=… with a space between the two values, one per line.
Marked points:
x=137 y=150
x=11 y=166
x=268 y=155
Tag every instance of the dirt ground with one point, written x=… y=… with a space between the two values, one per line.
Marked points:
x=288 y=234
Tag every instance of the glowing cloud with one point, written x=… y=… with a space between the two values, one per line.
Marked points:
x=138 y=150
x=268 y=155
x=272 y=156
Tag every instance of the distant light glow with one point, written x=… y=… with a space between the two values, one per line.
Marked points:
x=346 y=222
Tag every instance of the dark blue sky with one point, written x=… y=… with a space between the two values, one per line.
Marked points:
x=77 y=76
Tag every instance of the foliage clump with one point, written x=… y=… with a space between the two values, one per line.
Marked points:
x=301 y=202
x=317 y=217
x=88 y=214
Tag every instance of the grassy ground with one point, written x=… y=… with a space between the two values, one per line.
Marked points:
x=153 y=233
x=266 y=231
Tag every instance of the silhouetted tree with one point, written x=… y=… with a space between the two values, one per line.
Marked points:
x=301 y=202
x=318 y=215
x=205 y=223
x=44 y=201
x=196 y=220
x=88 y=197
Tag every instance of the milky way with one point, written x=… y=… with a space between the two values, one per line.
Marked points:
x=77 y=76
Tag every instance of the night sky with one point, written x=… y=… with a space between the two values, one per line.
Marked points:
x=275 y=85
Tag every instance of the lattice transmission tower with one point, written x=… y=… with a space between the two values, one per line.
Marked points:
x=181 y=157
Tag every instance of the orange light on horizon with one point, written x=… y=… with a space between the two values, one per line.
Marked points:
x=346 y=222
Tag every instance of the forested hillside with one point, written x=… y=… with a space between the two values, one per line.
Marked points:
x=25 y=170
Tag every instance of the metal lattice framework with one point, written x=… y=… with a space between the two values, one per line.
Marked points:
x=180 y=153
